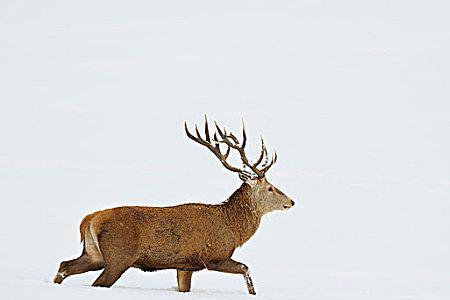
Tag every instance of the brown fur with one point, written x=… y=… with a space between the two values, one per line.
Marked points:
x=188 y=237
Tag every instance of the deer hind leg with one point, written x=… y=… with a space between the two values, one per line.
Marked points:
x=110 y=275
x=184 y=280
x=117 y=256
x=76 y=266
x=115 y=266
x=234 y=267
x=90 y=260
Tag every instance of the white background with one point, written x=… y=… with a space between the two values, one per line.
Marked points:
x=353 y=95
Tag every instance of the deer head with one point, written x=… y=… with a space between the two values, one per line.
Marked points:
x=266 y=196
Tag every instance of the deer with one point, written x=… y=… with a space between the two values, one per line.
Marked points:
x=188 y=237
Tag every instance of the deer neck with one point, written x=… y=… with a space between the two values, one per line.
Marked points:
x=241 y=214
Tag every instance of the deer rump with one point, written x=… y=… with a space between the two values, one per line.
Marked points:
x=153 y=238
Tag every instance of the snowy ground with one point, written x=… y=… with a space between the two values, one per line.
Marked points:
x=354 y=95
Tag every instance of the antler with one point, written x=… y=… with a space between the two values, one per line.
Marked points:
x=231 y=141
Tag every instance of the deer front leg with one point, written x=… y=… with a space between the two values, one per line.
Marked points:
x=234 y=267
x=184 y=280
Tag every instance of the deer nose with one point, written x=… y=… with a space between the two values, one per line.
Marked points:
x=292 y=202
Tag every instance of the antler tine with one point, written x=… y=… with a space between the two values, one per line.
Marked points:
x=274 y=159
x=198 y=133
x=214 y=149
x=263 y=153
x=190 y=135
x=233 y=137
x=207 y=130
x=225 y=156
x=198 y=138
x=244 y=135
x=266 y=159
x=215 y=139
x=219 y=130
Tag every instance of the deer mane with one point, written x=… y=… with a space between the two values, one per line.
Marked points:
x=241 y=213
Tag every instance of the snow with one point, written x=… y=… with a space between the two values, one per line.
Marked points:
x=353 y=95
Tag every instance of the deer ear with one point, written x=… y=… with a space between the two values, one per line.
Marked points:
x=244 y=177
x=251 y=182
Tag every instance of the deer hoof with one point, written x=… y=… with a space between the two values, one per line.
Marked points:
x=59 y=278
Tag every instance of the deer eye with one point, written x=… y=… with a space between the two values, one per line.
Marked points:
x=270 y=189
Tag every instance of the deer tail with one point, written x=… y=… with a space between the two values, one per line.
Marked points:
x=84 y=225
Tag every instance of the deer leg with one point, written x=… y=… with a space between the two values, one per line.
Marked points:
x=110 y=275
x=234 y=267
x=114 y=268
x=76 y=266
x=116 y=263
x=184 y=280
x=118 y=255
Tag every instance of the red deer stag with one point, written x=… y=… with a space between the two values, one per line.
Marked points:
x=188 y=237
